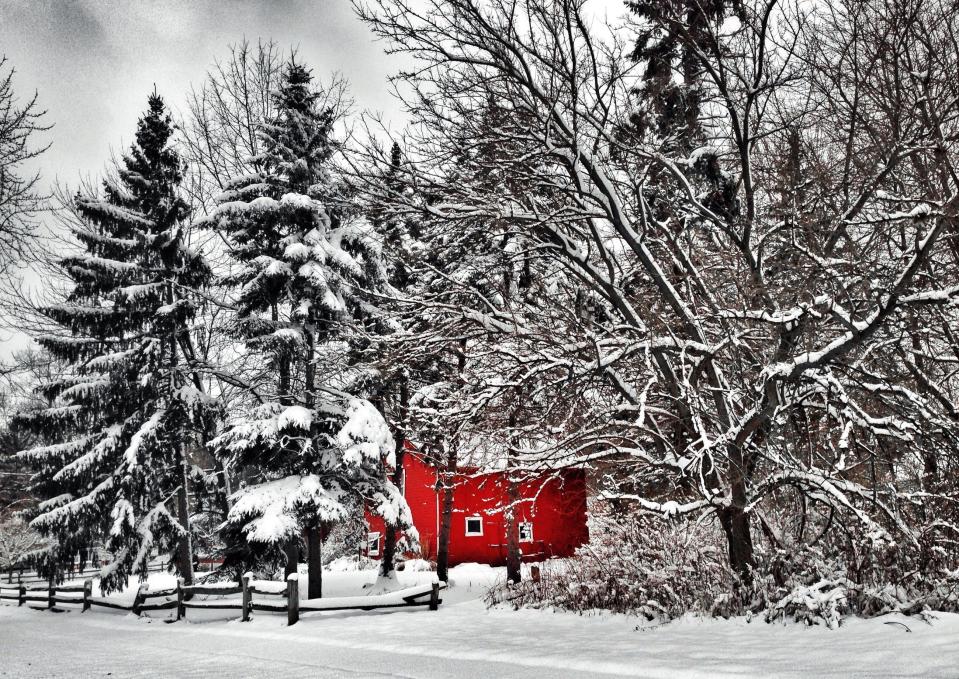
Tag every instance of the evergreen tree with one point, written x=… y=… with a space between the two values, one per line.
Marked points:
x=303 y=260
x=673 y=44
x=120 y=421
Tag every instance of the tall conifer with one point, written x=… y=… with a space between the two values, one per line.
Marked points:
x=124 y=414
x=303 y=260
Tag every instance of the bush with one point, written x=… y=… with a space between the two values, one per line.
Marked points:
x=647 y=567
x=825 y=600
x=18 y=543
x=660 y=570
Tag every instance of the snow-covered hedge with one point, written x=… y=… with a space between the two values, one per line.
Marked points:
x=661 y=570
x=648 y=568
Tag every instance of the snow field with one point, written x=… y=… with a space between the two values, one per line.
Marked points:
x=465 y=639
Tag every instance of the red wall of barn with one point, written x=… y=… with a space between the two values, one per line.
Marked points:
x=555 y=505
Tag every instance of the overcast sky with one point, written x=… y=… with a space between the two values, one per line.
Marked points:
x=94 y=62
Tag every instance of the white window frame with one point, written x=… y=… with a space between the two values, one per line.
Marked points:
x=466 y=525
x=373 y=543
x=519 y=530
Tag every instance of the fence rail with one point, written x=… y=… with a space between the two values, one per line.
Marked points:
x=182 y=597
x=50 y=596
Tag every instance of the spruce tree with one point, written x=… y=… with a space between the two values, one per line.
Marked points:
x=670 y=111
x=121 y=418
x=303 y=260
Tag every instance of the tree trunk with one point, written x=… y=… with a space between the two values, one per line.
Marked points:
x=387 y=564
x=735 y=523
x=735 y=520
x=446 y=517
x=309 y=369
x=185 y=545
x=292 y=551
x=314 y=546
x=514 y=558
x=283 y=369
x=446 y=479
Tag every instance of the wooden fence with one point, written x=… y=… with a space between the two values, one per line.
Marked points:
x=255 y=595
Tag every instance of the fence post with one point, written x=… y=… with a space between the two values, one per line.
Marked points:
x=435 y=597
x=292 y=598
x=87 y=593
x=180 y=608
x=23 y=595
x=51 y=593
x=247 y=597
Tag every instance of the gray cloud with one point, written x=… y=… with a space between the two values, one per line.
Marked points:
x=94 y=62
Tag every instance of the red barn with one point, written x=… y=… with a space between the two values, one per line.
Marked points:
x=551 y=514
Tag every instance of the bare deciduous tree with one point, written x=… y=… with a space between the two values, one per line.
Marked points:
x=20 y=198
x=755 y=314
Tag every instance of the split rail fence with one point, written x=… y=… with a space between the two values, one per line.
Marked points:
x=254 y=595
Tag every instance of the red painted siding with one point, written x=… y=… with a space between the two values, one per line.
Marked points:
x=553 y=505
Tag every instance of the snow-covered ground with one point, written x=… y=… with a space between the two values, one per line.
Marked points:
x=463 y=640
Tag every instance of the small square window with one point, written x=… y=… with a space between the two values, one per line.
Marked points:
x=474 y=525
x=526 y=532
x=373 y=544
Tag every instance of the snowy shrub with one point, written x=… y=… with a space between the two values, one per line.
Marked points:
x=417 y=565
x=17 y=542
x=660 y=570
x=858 y=573
x=644 y=567
x=915 y=595
x=825 y=600
x=349 y=564
x=346 y=538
